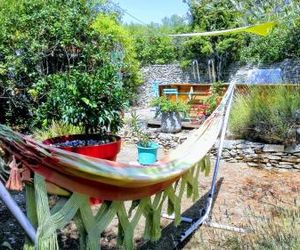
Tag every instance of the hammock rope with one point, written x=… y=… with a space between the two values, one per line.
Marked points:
x=77 y=208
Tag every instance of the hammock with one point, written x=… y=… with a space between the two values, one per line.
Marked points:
x=114 y=182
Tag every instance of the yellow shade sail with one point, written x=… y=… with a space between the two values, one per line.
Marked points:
x=262 y=29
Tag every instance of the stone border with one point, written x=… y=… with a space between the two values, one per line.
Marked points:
x=261 y=155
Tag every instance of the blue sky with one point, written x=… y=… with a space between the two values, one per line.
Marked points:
x=152 y=10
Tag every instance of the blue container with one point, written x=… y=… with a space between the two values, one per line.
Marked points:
x=147 y=155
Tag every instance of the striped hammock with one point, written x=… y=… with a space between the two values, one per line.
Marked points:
x=82 y=177
x=112 y=180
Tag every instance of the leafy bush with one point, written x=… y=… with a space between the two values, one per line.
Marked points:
x=167 y=105
x=266 y=113
x=216 y=93
x=209 y=15
x=50 y=54
x=152 y=44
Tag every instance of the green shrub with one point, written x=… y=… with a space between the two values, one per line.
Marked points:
x=51 y=51
x=167 y=105
x=266 y=113
x=216 y=93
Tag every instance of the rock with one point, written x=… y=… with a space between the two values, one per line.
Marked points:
x=279 y=154
x=273 y=157
x=166 y=137
x=252 y=164
x=248 y=151
x=232 y=153
x=293 y=150
x=297 y=166
x=226 y=155
x=229 y=144
x=285 y=163
x=296 y=115
x=242 y=146
x=256 y=145
x=285 y=166
x=292 y=159
x=298 y=136
x=264 y=160
x=273 y=148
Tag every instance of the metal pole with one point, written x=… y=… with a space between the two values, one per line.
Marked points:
x=17 y=213
x=207 y=209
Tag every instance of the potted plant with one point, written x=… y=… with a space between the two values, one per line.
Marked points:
x=147 y=149
x=170 y=113
x=92 y=100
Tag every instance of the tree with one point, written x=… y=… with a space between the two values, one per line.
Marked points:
x=283 y=42
x=153 y=45
x=63 y=63
x=209 y=15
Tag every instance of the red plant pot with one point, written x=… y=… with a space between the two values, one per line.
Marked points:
x=107 y=151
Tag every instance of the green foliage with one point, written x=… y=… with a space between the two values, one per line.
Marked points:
x=152 y=44
x=266 y=114
x=282 y=43
x=121 y=40
x=63 y=63
x=143 y=137
x=167 y=105
x=57 y=129
x=216 y=93
x=210 y=15
x=93 y=100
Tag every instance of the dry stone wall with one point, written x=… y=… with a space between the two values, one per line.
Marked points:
x=171 y=73
x=163 y=74
x=261 y=155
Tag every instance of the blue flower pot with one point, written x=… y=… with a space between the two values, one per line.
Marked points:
x=147 y=155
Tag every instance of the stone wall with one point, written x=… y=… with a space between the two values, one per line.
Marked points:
x=290 y=69
x=164 y=74
x=173 y=73
x=261 y=155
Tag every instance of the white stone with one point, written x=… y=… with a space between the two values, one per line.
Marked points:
x=252 y=164
x=273 y=148
x=274 y=157
x=285 y=166
x=285 y=163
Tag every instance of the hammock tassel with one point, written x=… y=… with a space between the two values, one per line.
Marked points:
x=14 y=181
